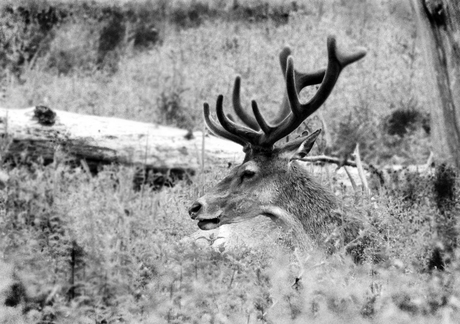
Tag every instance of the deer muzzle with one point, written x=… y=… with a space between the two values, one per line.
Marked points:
x=205 y=222
x=195 y=209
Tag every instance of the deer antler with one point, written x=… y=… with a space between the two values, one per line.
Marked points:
x=257 y=132
x=302 y=80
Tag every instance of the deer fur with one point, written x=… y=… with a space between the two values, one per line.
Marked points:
x=281 y=189
x=270 y=182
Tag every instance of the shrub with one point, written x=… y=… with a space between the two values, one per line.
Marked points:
x=25 y=33
x=73 y=48
x=171 y=108
x=406 y=120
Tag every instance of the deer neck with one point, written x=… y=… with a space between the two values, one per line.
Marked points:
x=308 y=203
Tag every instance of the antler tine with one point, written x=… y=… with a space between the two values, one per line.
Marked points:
x=299 y=112
x=336 y=62
x=240 y=112
x=302 y=80
x=266 y=128
x=218 y=130
x=248 y=135
x=284 y=109
x=284 y=54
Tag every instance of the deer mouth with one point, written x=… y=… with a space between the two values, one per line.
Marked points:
x=209 y=224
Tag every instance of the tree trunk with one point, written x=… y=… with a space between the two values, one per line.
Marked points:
x=439 y=23
x=41 y=132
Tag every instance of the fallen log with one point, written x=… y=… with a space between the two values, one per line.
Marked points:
x=39 y=132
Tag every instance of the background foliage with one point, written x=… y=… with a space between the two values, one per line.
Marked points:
x=78 y=248
x=159 y=60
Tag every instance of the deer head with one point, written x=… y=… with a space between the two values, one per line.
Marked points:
x=271 y=181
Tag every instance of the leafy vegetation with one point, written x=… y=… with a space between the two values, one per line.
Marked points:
x=79 y=248
x=82 y=249
x=140 y=60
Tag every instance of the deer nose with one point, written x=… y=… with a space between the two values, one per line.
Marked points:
x=195 y=209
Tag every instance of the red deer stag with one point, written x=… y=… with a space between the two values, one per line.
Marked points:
x=270 y=181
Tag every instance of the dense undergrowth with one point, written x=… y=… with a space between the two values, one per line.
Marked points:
x=79 y=248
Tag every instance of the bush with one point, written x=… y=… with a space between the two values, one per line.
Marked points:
x=406 y=120
x=49 y=30
x=70 y=37
x=26 y=33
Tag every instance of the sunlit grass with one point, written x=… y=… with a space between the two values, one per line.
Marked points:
x=102 y=250
x=194 y=65
x=89 y=249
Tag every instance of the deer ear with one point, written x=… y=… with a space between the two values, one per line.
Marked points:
x=306 y=144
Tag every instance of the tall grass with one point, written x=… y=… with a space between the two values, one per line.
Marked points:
x=91 y=248
x=78 y=248
x=169 y=82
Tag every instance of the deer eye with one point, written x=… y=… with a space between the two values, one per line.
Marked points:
x=247 y=174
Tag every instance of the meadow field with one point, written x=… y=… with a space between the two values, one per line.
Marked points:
x=78 y=248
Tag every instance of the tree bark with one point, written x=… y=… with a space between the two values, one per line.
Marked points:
x=439 y=23
x=40 y=132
